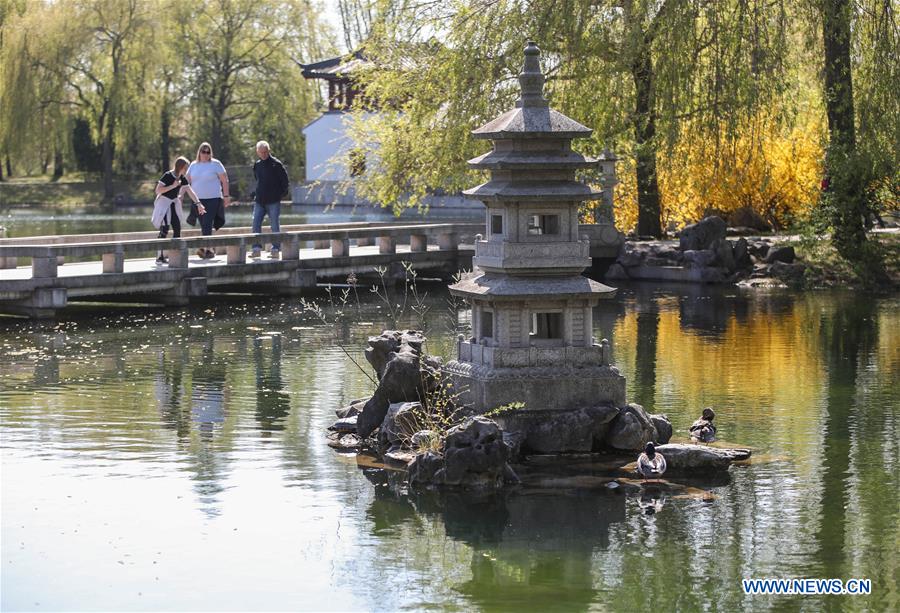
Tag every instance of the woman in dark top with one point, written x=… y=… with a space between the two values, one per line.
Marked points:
x=167 y=210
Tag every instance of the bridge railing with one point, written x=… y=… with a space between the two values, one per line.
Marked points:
x=45 y=258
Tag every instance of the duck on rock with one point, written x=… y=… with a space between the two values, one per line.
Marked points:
x=650 y=463
x=703 y=430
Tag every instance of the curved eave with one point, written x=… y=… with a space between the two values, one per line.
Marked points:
x=532 y=122
x=532 y=191
x=504 y=287
x=493 y=160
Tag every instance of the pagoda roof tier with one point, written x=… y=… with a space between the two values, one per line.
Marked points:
x=532 y=122
x=335 y=68
x=504 y=287
x=532 y=191
x=537 y=160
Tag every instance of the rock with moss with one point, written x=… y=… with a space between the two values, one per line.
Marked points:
x=405 y=374
x=700 y=458
x=633 y=428
x=474 y=456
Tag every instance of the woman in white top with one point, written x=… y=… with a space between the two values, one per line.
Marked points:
x=209 y=181
x=167 y=209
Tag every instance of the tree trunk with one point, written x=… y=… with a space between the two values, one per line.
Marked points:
x=58 y=168
x=838 y=72
x=645 y=144
x=164 y=141
x=106 y=160
x=845 y=174
x=8 y=167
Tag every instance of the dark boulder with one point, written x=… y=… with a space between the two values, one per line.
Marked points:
x=700 y=458
x=745 y=216
x=631 y=429
x=475 y=455
x=702 y=234
x=784 y=254
x=741 y=252
x=663 y=428
x=390 y=341
x=724 y=254
x=407 y=376
x=400 y=423
x=616 y=272
x=700 y=258
x=426 y=469
x=759 y=249
x=346 y=424
x=569 y=431
x=791 y=274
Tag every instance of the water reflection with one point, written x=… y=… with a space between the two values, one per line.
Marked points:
x=224 y=408
x=208 y=391
x=169 y=389
x=272 y=403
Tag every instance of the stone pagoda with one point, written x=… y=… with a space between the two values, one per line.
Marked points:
x=531 y=308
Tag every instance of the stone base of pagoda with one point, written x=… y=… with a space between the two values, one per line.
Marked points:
x=546 y=388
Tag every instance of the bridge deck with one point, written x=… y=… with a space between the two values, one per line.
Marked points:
x=321 y=258
x=308 y=253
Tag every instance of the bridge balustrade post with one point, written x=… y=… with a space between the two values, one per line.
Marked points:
x=386 y=244
x=178 y=255
x=321 y=244
x=43 y=267
x=114 y=262
x=9 y=262
x=340 y=247
x=236 y=254
x=448 y=241
x=290 y=248
x=365 y=241
x=418 y=242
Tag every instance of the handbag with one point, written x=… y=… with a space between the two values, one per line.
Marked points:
x=193 y=215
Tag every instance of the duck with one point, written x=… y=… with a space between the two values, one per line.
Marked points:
x=703 y=430
x=650 y=463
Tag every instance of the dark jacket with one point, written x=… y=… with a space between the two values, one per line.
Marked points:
x=271 y=180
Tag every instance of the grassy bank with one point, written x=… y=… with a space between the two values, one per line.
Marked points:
x=78 y=189
x=825 y=268
x=71 y=191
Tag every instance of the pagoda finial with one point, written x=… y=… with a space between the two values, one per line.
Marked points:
x=531 y=79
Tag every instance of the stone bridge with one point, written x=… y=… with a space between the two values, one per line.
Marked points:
x=122 y=268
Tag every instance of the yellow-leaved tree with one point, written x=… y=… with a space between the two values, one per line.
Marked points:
x=772 y=170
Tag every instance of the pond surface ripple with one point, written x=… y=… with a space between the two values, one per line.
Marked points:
x=165 y=459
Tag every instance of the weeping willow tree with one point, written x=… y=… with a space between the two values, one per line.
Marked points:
x=634 y=70
x=862 y=103
x=122 y=86
x=243 y=74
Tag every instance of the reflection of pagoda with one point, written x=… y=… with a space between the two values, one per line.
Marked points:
x=329 y=149
x=531 y=308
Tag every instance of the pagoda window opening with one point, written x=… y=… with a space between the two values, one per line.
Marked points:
x=546 y=326
x=539 y=225
x=487 y=325
x=496 y=224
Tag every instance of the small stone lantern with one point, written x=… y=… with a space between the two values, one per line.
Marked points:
x=531 y=308
x=604 y=212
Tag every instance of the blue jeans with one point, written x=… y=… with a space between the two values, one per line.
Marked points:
x=273 y=210
x=213 y=208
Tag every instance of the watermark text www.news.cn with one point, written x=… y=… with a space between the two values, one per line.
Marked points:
x=807 y=586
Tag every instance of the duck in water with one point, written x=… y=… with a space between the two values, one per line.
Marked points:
x=703 y=430
x=650 y=463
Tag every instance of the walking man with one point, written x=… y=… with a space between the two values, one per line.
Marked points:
x=271 y=185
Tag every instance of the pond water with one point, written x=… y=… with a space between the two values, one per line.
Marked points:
x=45 y=221
x=175 y=459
